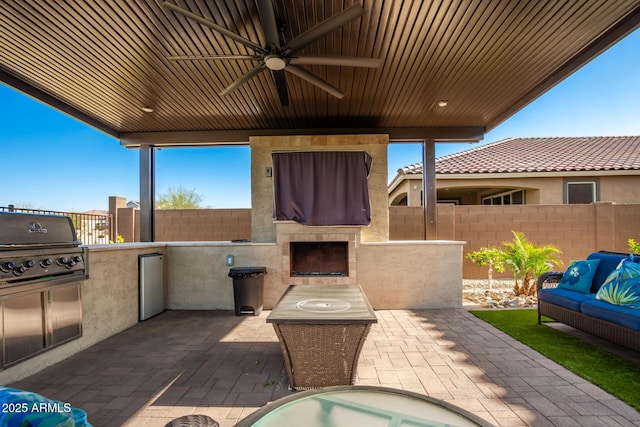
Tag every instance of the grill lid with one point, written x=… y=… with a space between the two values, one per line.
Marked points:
x=20 y=230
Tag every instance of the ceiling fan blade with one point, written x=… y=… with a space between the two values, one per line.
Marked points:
x=323 y=28
x=269 y=25
x=216 y=57
x=280 y=79
x=214 y=26
x=315 y=80
x=242 y=80
x=347 y=61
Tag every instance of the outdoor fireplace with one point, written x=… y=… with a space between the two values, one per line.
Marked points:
x=319 y=258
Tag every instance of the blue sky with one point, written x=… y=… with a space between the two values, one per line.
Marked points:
x=51 y=161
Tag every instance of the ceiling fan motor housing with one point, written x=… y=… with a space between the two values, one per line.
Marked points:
x=275 y=62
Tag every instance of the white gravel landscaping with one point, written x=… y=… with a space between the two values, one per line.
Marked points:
x=476 y=293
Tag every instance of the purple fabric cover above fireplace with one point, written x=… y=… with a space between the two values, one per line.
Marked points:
x=322 y=187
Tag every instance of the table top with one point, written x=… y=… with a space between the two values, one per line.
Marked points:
x=355 y=406
x=323 y=304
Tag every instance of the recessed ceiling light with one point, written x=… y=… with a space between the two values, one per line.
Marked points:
x=443 y=103
x=147 y=109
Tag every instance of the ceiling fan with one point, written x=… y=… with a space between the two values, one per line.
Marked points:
x=278 y=56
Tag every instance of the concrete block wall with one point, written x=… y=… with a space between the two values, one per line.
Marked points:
x=571 y=228
x=212 y=225
x=576 y=230
x=127 y=221
x=406 y=223
x=203 y=225
x=626 y=220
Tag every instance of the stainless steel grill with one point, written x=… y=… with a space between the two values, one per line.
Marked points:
x=38 y=250
x=39 y=308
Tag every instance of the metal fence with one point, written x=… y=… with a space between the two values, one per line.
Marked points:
x=92 y=229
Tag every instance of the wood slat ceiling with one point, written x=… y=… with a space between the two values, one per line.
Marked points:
x=102 y=61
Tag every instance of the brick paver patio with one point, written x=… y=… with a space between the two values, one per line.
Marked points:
x=217 y=364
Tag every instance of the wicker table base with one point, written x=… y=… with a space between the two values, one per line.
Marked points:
x=321 y=355
x=321 y=329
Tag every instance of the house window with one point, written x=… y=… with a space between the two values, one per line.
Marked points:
x=580 y=192
x=514 y=197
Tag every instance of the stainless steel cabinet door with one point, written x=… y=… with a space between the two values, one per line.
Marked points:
x=64 y=314
x=24 y=327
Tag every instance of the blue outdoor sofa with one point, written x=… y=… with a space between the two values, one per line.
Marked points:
x=583 y=311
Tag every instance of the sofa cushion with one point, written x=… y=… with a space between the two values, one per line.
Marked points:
x=579 y=276
x=622 y=287
x=564 y=298
x=620 y=315
x=608 y=263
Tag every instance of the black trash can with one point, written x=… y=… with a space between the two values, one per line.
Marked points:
x=248 y=285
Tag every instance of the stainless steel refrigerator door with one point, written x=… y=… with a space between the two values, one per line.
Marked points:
x=151 y=285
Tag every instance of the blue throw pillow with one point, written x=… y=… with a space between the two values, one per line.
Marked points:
x=622 y=286
x=579 y=276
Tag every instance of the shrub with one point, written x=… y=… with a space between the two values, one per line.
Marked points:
x=524 y=259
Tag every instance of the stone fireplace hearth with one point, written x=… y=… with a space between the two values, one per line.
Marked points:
x=317 y=255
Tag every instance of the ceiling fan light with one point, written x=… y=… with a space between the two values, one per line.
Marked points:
x=274 y=62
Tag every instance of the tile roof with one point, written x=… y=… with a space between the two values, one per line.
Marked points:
x=556 y=154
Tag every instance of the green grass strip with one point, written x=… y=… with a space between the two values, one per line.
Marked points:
x=610 y=372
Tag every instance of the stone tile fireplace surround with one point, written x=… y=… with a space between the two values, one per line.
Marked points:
x=290 y=231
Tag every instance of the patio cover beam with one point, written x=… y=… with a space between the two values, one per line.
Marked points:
x=241 y=137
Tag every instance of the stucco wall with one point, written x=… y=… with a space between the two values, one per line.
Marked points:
x=540 y=190
x=412 y=187
x=394 y=275
x=198 y=277
x=620 y=189
x=547 y=190
x=405 y=275
x=262 y=226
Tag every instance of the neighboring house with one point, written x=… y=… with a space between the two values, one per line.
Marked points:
x=559 y=170
x=133 y=204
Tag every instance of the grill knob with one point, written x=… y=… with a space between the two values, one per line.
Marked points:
x=29 y=263
x=62 y=260
x=76 y=258
x=70 y=264
x=46 y=262
x=7 y=266
x=19 y=270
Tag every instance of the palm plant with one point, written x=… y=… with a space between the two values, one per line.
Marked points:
x=528 y=261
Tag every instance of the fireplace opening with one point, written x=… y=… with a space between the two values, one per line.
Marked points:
x=319 y=258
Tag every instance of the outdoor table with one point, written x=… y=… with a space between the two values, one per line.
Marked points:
x=356 y=406
x=321 y=329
